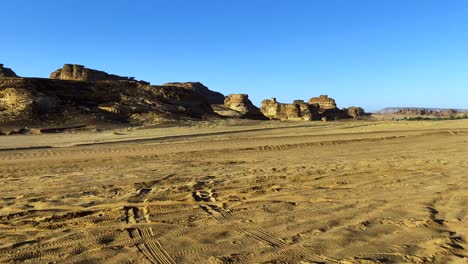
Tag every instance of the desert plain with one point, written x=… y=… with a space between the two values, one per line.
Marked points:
x=246 y=192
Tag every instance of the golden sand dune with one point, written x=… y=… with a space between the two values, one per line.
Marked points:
x=269 y=192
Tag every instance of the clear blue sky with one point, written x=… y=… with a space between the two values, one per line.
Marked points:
x=370 y=53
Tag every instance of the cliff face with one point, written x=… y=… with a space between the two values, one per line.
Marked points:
x=6 y=72
x=74 y=72
x=197 y=87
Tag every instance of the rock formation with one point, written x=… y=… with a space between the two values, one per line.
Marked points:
x=298 y=110
x=29 y=100
x=354 y=111
x=6 y=72
x=241 y=104
x=315 y=109
x=323 y=101
x=76 y=72
x=212 y=96
x=77 y=92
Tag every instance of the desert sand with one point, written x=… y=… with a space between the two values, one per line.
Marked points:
x=253 y=192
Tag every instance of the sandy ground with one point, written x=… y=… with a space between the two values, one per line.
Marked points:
x=267 y=192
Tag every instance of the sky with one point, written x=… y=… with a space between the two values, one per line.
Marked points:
x=367 y=53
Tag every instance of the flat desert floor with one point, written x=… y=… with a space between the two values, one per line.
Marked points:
x=265 y=192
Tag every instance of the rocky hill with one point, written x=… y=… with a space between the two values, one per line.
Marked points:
x=94 y=95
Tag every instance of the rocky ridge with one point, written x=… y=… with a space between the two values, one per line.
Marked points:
x=75 y=92
x=435 y=112
x=35 y=100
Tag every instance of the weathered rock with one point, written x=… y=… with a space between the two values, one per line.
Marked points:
x=75 y=72
x=295 y=111
x=6 y=72
x=323 y=101
x=299 y=110
x=242 y=104
x=354 y=111
x=34 y=100
x=211 y=96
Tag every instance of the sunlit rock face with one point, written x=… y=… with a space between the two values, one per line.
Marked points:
x=323 y=101
x=298 y=110
x=242 y=104
x=75 y=72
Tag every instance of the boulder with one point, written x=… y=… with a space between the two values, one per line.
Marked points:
x=211 y=96
x=242 y=104
x=7 y=72
x=75 y=72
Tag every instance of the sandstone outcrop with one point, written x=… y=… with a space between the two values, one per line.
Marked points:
x=354 y=111
x=324 y=102
x=75 y=72
x=298 y=110
x=241 y=104
x=6 y=72
x=197 y=87
x=316 y=109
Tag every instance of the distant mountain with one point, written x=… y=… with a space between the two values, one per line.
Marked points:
x=421 y=111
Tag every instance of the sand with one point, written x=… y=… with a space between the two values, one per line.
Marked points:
x=264 y=192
